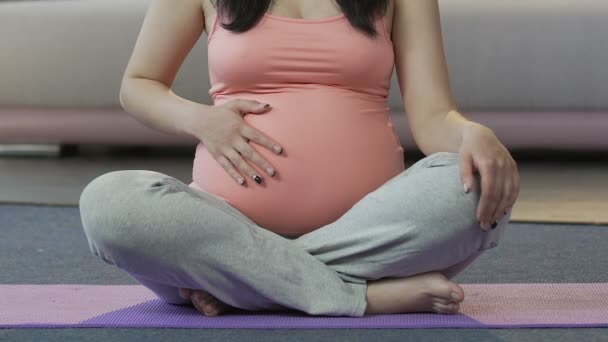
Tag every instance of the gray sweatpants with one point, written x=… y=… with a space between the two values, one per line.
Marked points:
x=168 y=235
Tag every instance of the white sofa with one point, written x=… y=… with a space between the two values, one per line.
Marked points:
x=534 y=71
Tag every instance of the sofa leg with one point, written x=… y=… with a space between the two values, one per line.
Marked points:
x=68 y=150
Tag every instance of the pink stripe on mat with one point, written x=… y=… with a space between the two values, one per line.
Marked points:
x=485 y=306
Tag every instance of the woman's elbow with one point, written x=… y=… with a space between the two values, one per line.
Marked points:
x=123 y=94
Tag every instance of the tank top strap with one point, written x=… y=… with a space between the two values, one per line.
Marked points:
x=213 y=27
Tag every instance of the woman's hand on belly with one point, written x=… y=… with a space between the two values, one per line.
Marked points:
x=225 y=135
x=340 y=147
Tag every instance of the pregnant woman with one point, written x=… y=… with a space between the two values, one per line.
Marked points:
x=299 y=197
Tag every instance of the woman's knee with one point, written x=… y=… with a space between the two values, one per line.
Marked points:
x=451 y=212
x=462 y=207
x=109 y=185
x=455 y=211
x=445 y=187
x=101 y=195
x=107 y=204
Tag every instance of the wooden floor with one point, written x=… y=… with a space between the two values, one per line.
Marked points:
x=553 y=190
x=563 y=192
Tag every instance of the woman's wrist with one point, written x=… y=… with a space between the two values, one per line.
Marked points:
x=471 y=128
x=192 y=118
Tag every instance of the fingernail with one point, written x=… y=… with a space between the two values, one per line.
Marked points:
x=241 y=180
x=270 y=171
x=257 y=178
x=266 y=105
x=278 y=149
x=494 y=224
x=466 y=188
x=455 y=296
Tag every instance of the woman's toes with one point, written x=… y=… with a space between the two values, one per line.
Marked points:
x=446 y=308
x=204 y=307
x=199 y=298
x=185 y=293
x=442 y=300
x=216 y=307
x=459 y=292
x=219 y=307
x=197 y=305
x=211 y=305
x=207 y=304
x=211 y=311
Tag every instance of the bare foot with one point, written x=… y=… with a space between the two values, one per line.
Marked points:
x=205 y=302
x=426 y=292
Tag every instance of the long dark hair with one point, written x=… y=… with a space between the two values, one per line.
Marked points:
x=244 y=14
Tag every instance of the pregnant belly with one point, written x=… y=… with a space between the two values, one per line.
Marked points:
x=337 y=147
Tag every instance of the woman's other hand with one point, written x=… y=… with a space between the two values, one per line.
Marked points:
x=482 y=152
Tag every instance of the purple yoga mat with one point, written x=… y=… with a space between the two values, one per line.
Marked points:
x=134 y=306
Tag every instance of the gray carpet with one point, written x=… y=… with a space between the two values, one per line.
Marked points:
x=46 y=245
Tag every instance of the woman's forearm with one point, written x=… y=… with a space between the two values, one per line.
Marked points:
x=155 y=105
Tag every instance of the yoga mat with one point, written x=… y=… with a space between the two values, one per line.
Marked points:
x=133 y=306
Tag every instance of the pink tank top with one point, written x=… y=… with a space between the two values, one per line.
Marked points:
x=328 y=86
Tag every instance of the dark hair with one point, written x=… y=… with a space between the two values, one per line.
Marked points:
x=244 y=14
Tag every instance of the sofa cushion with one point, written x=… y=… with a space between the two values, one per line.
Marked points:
x=502 y=55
